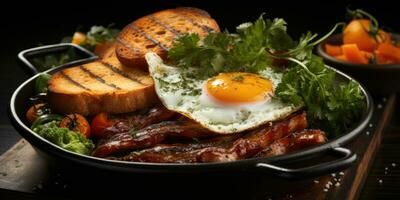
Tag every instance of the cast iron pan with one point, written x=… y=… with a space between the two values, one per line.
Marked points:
x=343 y=158
x=378 y=78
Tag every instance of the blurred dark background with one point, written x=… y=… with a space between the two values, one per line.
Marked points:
x=47 y=23
x=25 y=25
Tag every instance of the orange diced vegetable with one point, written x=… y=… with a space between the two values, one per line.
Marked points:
x=341 y=57
x=387 y=53
x=78 y=38
x=333 y=50
x=356 y=32
x=353 y=54
x=367 y=55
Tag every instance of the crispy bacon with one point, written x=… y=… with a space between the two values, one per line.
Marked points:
x=178 y=153
x=294 y=142
x=152 y=116
x=241 y=148
x=138 y=120
x=149 y=136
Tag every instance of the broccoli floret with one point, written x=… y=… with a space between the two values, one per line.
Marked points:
x=65 y=138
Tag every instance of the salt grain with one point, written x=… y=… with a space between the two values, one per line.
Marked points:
x=325 y=190
x=379 y=106
x=393 y=164
x=337 y=184
x=333 y=175
x=367 y=132
x=316 y=181
x=341 y=173
x=370 y=125
x=384 y=99
x=380 y=181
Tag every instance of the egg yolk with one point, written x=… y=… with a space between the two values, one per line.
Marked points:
x=239 y=87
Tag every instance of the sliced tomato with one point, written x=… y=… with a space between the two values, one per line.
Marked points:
x=76 y=122
x=100 y=122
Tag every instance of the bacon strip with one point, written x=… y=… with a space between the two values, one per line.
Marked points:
x=145 y=118
x=149 y=136
x=137 y=120
x=294 y=142
x=240 y=148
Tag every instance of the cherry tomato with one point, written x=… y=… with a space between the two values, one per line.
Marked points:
x=100 y=122
x=78 y=38
x=76 y=122
x=35 y=111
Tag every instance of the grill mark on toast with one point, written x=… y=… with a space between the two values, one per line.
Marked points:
x=144 y=34
x=204 y=27
x=127 y=45
x=121 y=73
x=98 y=78
x=197 y=10
x=166 y=26
x=68 y=78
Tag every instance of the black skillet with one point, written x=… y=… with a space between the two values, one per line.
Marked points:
x=343 y=158
x=377 y=78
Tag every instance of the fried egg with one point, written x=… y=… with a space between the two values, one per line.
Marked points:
x=226 y=103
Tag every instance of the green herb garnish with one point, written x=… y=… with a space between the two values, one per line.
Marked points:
x=332 y=107
x=99 y=35
x=41 y=83
x=95 y=36
x=254 y=47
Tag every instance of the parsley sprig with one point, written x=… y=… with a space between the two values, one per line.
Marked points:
x=331 y=106
x=254 y=46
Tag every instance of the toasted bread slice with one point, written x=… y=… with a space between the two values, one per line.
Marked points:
x=101 y=86
x=108 y=85
x=156 y=33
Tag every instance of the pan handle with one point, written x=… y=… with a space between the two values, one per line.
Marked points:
x=346 y=159
x=24 y=55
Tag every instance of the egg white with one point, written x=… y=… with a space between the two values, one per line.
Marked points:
x=179 y=92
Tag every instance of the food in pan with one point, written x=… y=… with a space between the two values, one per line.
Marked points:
x=98 y=39
x=127 y=87
x=227 y=103
x=365 y=42
x=201 y=96
x=156 y=33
